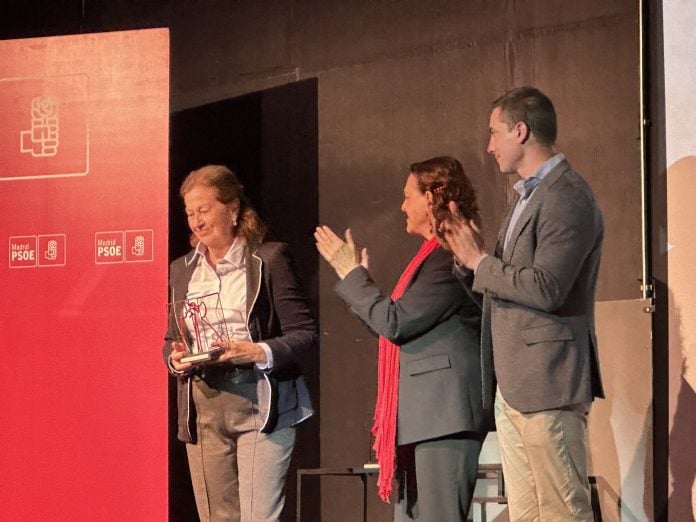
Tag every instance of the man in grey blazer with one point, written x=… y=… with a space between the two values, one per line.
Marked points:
x=538 y=318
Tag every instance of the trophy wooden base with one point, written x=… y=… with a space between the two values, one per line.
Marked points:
x=203 y=357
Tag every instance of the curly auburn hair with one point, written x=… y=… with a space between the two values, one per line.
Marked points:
x=444 y=177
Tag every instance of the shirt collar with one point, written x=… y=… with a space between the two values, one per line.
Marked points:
x=234 y=259
x=525 y=187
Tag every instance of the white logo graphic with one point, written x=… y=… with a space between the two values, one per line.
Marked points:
x=52 y=250
x=139 y=247
x=41 y=140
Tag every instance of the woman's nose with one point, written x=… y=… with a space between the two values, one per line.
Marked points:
x=195 y=219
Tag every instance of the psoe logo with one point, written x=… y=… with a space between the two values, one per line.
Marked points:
x=108 y=247
x=44 y=127
x=41 y=140
x=22 y=252
x=139 y=246
x=51 y=250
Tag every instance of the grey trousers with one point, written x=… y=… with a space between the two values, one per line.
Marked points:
x=437 y=478
x=238 y=473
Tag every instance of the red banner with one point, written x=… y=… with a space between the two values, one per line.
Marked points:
x=83 y=264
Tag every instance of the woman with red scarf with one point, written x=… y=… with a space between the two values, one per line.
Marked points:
x=429 y=417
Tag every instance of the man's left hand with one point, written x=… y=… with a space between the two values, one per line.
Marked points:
x=463 y=238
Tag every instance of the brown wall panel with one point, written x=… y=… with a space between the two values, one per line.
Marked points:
x=592 y=76
x=379 y=116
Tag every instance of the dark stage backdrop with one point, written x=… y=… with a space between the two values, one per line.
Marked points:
x=269 y=139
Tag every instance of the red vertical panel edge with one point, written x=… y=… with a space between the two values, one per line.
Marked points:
x=83 y=263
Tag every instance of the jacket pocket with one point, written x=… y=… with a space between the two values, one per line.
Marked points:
x=287 y=396
x=429 y=364
x=548 y=333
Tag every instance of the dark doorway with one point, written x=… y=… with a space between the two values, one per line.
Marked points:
x=269 y=139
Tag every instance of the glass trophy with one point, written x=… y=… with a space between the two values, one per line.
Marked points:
x=200 y=322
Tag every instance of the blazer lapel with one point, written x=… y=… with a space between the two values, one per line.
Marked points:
x=531 y=209
x=253 y=277
x=503 y=229
x=182 y=279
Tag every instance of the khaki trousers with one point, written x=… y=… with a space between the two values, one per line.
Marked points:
x=238 y=473
x=544 y=456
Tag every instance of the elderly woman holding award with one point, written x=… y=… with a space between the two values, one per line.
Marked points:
x=236 y=297
x=429 y=419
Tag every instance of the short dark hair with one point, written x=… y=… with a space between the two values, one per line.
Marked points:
x=531 y=106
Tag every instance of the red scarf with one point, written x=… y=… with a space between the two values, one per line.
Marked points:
x=384 y=428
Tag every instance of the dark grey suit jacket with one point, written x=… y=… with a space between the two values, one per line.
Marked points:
x=278 y=315
x=436 y=324
x=538 y=314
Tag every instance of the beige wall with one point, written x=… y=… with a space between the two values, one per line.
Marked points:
x=678 y=244
x=620 y=426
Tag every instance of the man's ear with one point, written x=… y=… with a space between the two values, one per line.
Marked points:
x=523 y=132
